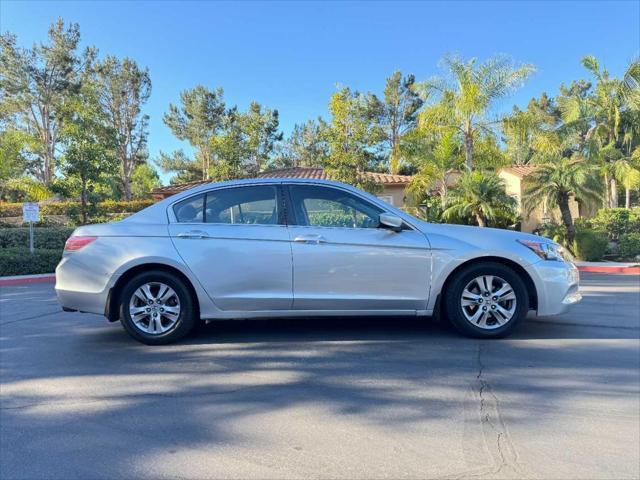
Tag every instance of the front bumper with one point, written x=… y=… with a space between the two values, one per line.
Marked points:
x=558 y=286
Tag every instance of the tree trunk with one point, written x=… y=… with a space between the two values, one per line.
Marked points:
x=614 y=193
x=83 y=200
x=567 y=219
x=468 y=149
x=627 y=198
x=394 y=161
x=126 y=183
x=126 y=178
x=606 y=200
x=443 y=194
x=481 y=220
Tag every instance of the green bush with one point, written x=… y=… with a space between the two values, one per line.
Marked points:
x=112 y=206
x=590 y=245
x=19 y=261
x=557 y=233
x=616 y=221
x=72 y=209
x=629 y=246
x=47 y=238
x=331 y=219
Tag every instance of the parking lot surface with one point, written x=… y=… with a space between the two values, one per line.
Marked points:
x=322 y=398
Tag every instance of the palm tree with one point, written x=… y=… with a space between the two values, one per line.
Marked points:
x=555 y=181
x=522 y=128
x=437 y=167
x=463 y=101
x=612 y=100
x=628 y=170
x=479 y=195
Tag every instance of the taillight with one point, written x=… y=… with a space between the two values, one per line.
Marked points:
x=76 y=243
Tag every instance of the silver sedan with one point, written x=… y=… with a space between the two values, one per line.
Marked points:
x=283 y=247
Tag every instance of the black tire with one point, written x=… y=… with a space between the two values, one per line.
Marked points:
x=187 y=318
x=453 y=294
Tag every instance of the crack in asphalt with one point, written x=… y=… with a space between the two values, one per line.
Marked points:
x=491 y=420
x=503 y=457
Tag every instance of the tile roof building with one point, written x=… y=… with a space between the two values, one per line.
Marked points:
x=392 y=185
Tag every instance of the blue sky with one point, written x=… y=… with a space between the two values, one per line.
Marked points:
x=291 y=55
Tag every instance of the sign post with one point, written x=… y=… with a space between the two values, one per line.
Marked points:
x=30 y=213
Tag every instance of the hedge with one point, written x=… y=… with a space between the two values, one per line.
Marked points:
x=629 y=246
x=616 y=221
x=590 y=245
x=73 y=208
x=47 y=238
x=19 y=261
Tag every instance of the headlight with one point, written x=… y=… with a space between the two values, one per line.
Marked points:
x=548 y=250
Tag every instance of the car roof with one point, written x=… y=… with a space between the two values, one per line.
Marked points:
x=258 y=181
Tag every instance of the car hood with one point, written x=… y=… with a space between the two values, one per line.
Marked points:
x=481 y=241
x=477 y=234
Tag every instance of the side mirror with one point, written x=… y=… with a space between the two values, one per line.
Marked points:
x=390 y=221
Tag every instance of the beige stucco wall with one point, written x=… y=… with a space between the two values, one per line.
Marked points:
x=396 y=192
x=516 y=186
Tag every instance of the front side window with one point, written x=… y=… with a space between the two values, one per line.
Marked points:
x=330 y=207
x=255 y=205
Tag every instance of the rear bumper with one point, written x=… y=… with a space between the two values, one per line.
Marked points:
x=74 y=301
x=557 y=285
x=79 y=287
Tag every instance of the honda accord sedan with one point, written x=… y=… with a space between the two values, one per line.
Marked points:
x=304 y=248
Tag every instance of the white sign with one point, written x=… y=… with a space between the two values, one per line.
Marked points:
x=30 y=212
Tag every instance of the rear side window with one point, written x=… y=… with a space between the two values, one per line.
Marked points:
x=255 y=205
x=190 y=210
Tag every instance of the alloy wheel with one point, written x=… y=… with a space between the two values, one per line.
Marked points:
x=154 y=308
x=488 y=302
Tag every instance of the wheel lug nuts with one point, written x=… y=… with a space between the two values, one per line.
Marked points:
x=495 y=298
x=162 y=309
x=484 y=309
x=148 y=309
x=493 y=307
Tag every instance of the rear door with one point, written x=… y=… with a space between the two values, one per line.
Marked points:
x=342 y=260
x=235 y=241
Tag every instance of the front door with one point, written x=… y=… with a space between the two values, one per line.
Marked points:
x=235 y=241
x=342 y=260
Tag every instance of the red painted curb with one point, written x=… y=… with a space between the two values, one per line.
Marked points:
x=24 y=281
x=614 y=270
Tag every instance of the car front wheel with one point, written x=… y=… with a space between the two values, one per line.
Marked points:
x=486 y=300
x=157 y=308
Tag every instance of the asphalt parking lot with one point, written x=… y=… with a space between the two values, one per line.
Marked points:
x=339 y=398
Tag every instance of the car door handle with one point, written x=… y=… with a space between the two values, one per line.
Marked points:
x=195 y=234
x=316 y=239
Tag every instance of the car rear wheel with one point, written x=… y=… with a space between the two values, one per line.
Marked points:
x=157 y=308
x=486 y=300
